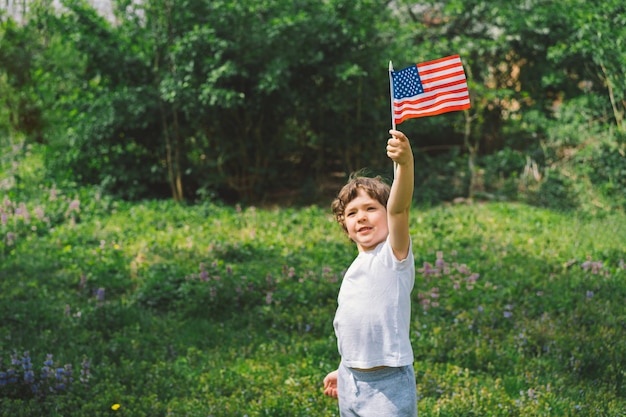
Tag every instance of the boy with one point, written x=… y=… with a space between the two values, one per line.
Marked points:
x=376 y=375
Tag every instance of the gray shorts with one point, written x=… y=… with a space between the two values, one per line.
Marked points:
x=388 y=392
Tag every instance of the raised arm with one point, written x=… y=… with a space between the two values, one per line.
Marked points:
x=401 y=195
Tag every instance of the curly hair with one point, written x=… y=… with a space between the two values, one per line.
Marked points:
x=375 y=187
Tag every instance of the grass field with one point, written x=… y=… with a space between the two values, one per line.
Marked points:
x=208 y=310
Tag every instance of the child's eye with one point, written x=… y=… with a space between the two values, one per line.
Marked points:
x=371 y=208
x=350 y=214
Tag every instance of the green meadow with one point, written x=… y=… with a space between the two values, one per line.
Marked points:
x=166 y=171
x=155 y=308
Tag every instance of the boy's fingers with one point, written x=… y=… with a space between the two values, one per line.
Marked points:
x=395 y=144
x=398 y=135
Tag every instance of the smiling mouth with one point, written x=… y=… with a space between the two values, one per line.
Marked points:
x=364 y=229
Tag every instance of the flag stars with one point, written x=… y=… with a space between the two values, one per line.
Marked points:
x=406 y=83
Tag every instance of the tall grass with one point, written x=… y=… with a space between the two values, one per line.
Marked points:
x=193 y=310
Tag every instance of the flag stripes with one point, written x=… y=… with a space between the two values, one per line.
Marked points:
x=436 y=87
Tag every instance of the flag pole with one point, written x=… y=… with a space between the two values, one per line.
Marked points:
x=393 y=119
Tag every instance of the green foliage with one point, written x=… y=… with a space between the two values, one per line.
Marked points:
x=440 y=178
x=579 y=161
x=543 y=82
x=110 y=126
x=181 y=309
x=243 y=101
x=555 y=192
x=596 y=35
x=183 y=95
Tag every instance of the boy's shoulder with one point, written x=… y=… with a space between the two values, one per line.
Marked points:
x=383 y=253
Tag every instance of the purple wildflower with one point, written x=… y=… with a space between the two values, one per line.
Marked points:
x=439 y=263
x=39 y=213
x=507 y=311
x=100 y=296
x=12 y=376
x=85 y=371
x=48 y=361
x=204 y=274
x=463 y=269
x=428 y=269
x=29 y=376
x=24 y=213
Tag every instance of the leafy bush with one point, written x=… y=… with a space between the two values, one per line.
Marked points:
x=440 y=178
x=555 y=191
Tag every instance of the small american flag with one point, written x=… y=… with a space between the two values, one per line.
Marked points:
x=429 y=88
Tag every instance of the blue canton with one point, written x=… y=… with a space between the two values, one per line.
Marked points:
x=406 y=83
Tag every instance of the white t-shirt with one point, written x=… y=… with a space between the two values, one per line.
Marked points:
x=374 y=313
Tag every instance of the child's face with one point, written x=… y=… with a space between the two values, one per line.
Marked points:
x=366 y=221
